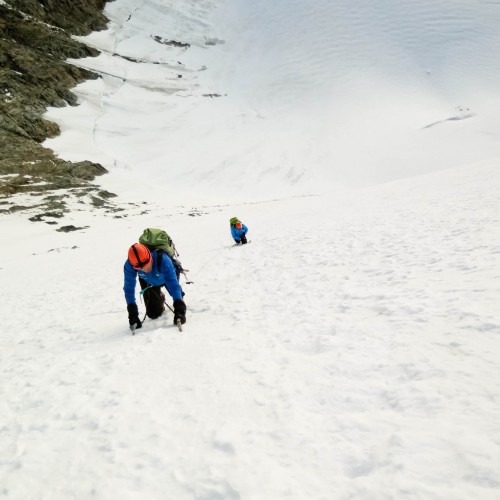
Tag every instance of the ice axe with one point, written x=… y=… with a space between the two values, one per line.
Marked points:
x=188 y=281
x=178 y=322
x=134 y=326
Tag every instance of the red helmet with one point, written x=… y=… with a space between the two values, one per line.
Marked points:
x=238 y=225
x=139 y=255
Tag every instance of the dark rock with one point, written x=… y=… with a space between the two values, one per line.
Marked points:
x=68 y=229
x=35 y=42
x=173 y=43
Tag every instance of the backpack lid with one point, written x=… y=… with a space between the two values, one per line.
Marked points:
x=233 y=220
x=157 y=239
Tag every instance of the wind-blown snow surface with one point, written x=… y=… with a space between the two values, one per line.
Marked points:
x=323 y=91
x=351 y=350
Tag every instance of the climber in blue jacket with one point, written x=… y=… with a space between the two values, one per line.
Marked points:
x=238 y=231
x=153 y=271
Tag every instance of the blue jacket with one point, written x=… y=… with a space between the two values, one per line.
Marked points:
x=237 y=233
x=166 y=277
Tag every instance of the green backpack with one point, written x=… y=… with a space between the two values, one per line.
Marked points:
x=158 y=239
x=233 y=220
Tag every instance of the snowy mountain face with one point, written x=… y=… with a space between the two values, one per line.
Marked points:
x=325 y=92
x=351 y=350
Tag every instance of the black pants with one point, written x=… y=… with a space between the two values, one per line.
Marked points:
x=153 y=299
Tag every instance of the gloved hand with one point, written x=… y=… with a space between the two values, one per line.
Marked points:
x=179 y=311
x=133 y=315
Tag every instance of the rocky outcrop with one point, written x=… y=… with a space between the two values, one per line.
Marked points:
x=35 y=41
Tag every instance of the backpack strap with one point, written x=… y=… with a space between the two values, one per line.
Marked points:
x=159 y=258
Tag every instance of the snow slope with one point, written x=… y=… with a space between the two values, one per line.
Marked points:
x=351 y=350
x=345 y=356
x=340 y=92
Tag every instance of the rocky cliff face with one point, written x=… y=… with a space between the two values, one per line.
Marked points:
x=35 y=41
